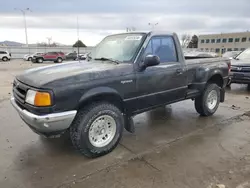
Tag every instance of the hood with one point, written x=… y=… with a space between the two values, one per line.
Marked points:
x=240 y=63
x=72 y=72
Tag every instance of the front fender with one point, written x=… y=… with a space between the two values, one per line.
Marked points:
x=98 y=91
x=106 y=91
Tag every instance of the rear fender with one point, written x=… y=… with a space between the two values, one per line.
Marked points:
x=204 y=74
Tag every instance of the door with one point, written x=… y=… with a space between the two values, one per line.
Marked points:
x=51 y=56
x=70 y=56
x=164 y=83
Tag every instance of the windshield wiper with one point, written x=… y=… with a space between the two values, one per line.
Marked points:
x=107 y=59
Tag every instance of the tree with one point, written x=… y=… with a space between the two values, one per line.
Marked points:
x=194 y=42
x=79 y=43
x=185 y=39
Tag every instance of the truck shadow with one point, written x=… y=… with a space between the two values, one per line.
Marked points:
x=238 y=89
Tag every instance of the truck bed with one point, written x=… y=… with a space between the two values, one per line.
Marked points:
x=198 y=65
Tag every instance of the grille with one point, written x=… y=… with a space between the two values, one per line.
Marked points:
x=19 y=91
x=241 y=69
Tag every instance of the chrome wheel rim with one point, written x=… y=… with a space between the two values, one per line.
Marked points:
x=212 y=99
x=102 y=131
x=59 y=60
x=40 y=60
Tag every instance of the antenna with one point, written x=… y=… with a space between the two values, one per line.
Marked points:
x=78 y=49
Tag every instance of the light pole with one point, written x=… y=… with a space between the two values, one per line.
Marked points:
x=153 y=25
x=49 y=40
x=78 y=49
x=24 y=19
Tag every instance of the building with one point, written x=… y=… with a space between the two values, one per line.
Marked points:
x=223 y=42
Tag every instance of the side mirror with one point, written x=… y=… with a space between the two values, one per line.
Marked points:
x=150 y=60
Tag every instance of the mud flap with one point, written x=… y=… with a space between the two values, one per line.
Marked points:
x=129 y=124
x=222 y=94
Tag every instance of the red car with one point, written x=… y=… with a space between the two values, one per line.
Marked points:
x=57 y=57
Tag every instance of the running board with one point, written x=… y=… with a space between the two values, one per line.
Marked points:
x=192 y=93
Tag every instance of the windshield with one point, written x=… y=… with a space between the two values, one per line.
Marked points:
x=244 y=55
x=121 y=48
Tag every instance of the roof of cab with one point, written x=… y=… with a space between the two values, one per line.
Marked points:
x=149 y=33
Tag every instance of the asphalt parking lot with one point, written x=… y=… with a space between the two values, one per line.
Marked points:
x=172 y=147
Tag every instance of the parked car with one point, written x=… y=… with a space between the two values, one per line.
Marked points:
x=128 y=74
x=57 y=57
x=5 y=55
x=231 y=54
x=240 y=70
x=71 y=56
x=28 y=57
x=84 y=56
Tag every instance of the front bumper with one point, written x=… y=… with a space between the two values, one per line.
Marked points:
x=239 y=77
x=48 y=125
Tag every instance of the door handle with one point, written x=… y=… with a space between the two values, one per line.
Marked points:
x=179 y=71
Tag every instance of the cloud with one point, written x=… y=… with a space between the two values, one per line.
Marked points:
x=102 y=22
x=106 y=17
x=212 y=7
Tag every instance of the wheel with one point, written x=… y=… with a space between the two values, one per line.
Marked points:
x=59 y=60
x=97 y=129
x=248 y=87
x=39 y=60
x=208 y=102
x=5 y=59
x=29 y=59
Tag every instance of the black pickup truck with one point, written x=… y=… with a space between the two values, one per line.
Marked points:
x=126 y=74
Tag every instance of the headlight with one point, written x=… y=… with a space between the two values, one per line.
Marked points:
x=38 y=98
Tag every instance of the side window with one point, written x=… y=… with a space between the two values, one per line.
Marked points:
x=52 y=53
x=162 y=46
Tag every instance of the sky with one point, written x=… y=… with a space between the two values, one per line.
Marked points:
x=99 y=18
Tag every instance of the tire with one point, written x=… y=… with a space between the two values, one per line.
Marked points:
x=59 y=60
x=40 y=60
x=205 y=107
x=248 y=87
x=85 y=122
x=5 y=59
x=29 y=59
